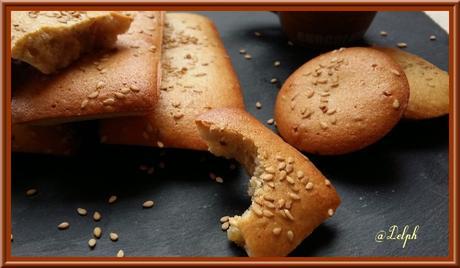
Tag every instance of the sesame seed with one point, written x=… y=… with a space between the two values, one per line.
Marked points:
x=274 y=81
x=280 y=203
x=288 y=214
x=113 y=236
x=82 y=211
x=256 y=210
x=112 y=199
x=281 y=165
x=100 y=85
x=270 y=169
x=258 y=105
x=395 y=72
x=330 y=212
x=271 y=184
x=266 y=177
x=84 y=103
x=290 y=235
x=178 y=115
x=119 y=95
x=120 y=253
x=93 y=95
x=276 y=63
x=31 y=192
x=289 y=168
x=300 y=174
x=432 y=37
x=387 y=93
x=224 y=219
x=267 y=213
x=309 y=186
x=97 y=232
x=269 y=204
x=125 y=90
x=63 y=225
x=290 y=179
x=153 y=49
x=396 y=104
x=247 y=56
x=401 y=45
x=323 y=125
x=219 y=180
x=160 y=144
x=327 y=182
x=225 y=226
x=383 y=33
x=290 y=43
x=92 y=243
x=148 y=204
x=290 y=160
x=108 y=101
x=279 y=158
x=134 y=88
x=97 y=216
x=242 y=51
x=258 y=34
x=282 y=175
x=288 y=204
x=294 y=196
x=276 y=230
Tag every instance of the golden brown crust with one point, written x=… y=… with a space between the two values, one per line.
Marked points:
x=197 y=75
x=50 y=40
x=288 y=192
x=341 y=101
x=429 y=85
x=55 y=140
x=120 y=82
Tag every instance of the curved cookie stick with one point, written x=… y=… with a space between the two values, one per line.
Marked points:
x=290 y=197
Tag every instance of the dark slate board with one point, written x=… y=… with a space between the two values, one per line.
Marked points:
x=403 y=179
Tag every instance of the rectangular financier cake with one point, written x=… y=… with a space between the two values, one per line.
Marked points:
x=119 y=82
x=197 y=76
x=50 y=40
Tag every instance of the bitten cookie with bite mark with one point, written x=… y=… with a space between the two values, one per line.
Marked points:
x=55 y=140
x=290 y=197
x=51 y=40
x=429 y=85
x=341 y=101
x=197 y=75
x=118 y=82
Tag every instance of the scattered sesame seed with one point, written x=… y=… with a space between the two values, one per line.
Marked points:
x=134 y=88
x=294 y=196
x=113 y=236
x=108 y=101
x=256 y=210
x=242 y=51
x=282 y=175
x=330 y=212
x=288 y=214
x=148 y=204
x=401 y=45
x=267 y=213
x=112 y=199
x=120 y=253
x=383 y=33
x=270 y=121
x=290 y=160
x=97 y=216
x=258 y=105
x=387 y=93
x=160 y=144
x=93 y=94
x=396 y=104
x=290 y=235
x=290 y=179
x=309 y=186
x=327 y=182
x=267 y=177
x=432 y=37
x=276 y=230
x=274 y=81
x=125 y=90
x=31 y=192
x=92 y=243
x=247 y=56
x=97 y=232
x=258 y=34
x=82 y=211
x=84 y=103
x=219 y=179
x=100 y=85
x=323 y=125
x=270 y=169
x=395 y=72
x=63 y=225
x=300 y=174
x=276 y=63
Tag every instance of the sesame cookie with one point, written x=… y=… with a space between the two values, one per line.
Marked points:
x=290 y=197
x=197 y=75
x=56 y=140
x=51 y=40
x=429 y=85
x=119 y=82
x=341 y=101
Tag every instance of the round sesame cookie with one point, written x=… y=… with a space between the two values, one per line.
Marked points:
x=341 y=101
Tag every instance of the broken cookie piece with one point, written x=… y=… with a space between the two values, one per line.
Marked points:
x=51 y=40
x=290 y=197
